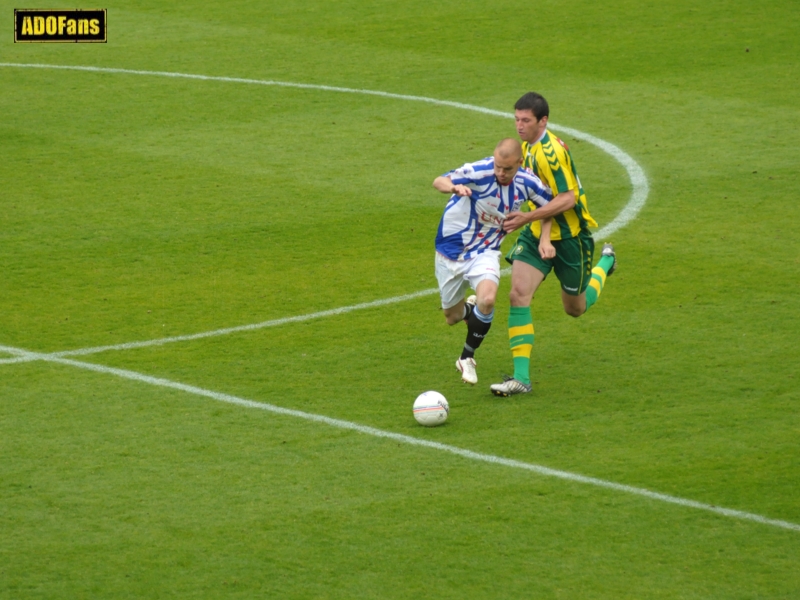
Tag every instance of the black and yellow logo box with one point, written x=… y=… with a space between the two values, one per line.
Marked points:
x=39 y=25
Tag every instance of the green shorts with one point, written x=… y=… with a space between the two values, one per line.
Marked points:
x=572 y=263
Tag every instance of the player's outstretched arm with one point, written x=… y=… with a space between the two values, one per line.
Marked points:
x=561 y=203
x=446 y=186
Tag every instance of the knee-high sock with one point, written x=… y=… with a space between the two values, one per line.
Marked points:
x=520 y=339
x=477 y=327
x=468 y=308
x=599 y=274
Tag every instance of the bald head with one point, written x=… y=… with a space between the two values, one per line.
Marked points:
x=509 y=148
x=507 y=160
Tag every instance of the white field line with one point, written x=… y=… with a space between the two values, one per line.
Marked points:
x=628 y=213
x=22 y=356
x=196 y=336
x=407 y=439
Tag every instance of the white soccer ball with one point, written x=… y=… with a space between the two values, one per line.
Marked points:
x=431 y=409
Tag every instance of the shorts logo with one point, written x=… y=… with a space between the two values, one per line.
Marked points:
x=518 y=249
x=37 y=25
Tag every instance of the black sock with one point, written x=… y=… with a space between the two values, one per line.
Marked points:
x=468 y=311
x=476 y=331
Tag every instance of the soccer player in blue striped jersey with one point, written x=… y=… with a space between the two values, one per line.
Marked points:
x=469 y=236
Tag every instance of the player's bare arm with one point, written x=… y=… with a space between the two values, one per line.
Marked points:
x=561 y=203
x=446 y=186
x=546 y=248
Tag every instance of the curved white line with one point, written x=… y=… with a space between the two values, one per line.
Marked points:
x=635 y=172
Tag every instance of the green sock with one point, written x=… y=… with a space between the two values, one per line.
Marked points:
x=605 y=263
x=520 y=340
x=599 y=274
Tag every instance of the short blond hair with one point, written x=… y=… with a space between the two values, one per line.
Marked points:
x=509 y=148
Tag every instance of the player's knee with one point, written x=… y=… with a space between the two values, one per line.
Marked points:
x=453 y=315
x=574 y=310
x=574 y=306
x=486 y=303
x=518 y=298
x=452 y=319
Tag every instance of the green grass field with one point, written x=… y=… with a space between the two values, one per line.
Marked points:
x=136 y=207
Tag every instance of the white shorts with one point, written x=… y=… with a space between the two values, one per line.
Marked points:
x=457 y=276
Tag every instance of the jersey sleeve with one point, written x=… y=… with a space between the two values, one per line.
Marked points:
x=537 y=192
x=462 y=175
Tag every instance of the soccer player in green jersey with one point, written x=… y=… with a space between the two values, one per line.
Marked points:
x=549 y=159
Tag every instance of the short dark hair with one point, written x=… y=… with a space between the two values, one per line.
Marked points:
x=535 y=103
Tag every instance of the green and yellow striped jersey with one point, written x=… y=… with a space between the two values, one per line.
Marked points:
x=550 y=160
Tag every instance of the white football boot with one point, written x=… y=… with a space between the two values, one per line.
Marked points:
x=467 y=367
x=509 y=387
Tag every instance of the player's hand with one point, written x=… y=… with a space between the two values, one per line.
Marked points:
x=515 y=220
x=546 y=249
x=462 y=190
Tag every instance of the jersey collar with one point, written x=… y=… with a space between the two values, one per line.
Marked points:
x=541 y=137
